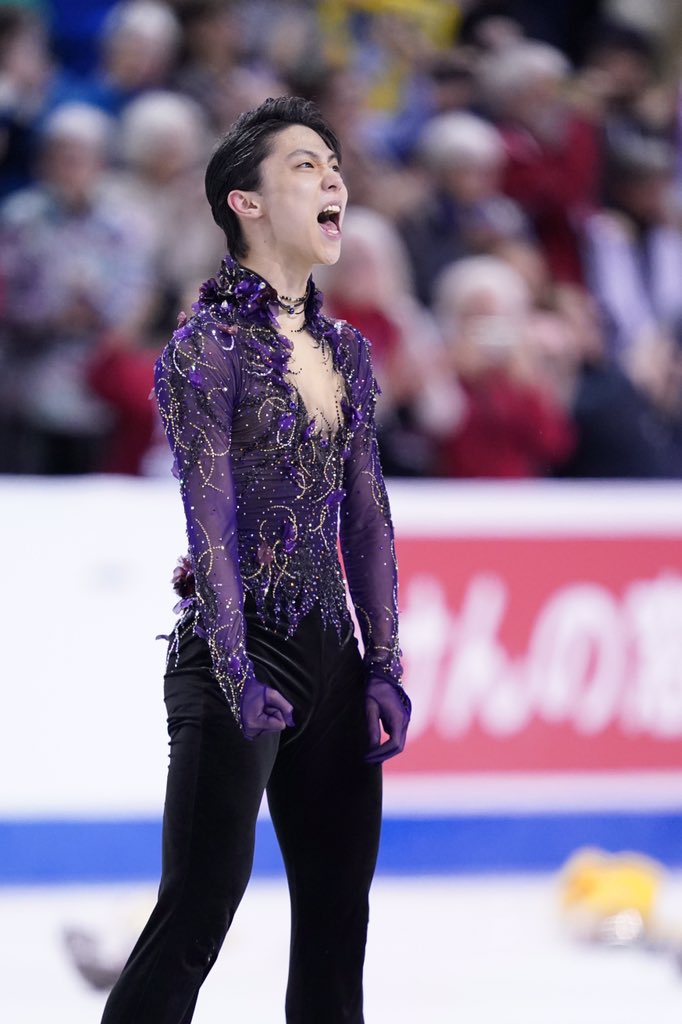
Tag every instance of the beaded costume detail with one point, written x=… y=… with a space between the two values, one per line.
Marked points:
x=267 y=490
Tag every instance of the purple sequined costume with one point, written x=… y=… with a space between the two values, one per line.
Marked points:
x=266 y=493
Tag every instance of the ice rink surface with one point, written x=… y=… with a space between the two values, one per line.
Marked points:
x=442 y=951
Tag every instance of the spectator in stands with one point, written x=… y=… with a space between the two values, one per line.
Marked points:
x=140 y=42
x=416 y=154
x=30 y=87
x=75 y=266
x=164 y=142
x=371 y=287
x=451 y=82
x=634 y=263
x=446 y=85
x=211 y=48
x=512 y=426
x=465 y=213
x=490 y=27
x=553 y=162
x=620 y=432
x=566 y=24
x=526 y=257
x=618 y=86
x=213 y=68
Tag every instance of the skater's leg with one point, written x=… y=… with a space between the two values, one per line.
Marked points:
x=326 y=806
x=215 y=783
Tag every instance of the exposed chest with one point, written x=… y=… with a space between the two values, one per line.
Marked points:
x=293 y=394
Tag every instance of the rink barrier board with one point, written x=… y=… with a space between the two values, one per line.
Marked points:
x=542 y=630
x=61 y=852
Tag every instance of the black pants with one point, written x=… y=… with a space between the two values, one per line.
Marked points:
x=325 y=804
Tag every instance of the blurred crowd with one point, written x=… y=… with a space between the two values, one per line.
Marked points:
x=513 y=248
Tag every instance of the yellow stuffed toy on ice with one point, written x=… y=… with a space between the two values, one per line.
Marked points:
x=610 y=897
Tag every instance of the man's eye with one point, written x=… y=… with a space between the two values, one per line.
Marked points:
x=306 y=163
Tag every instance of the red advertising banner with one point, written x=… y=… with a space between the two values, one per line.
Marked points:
x=544 y=650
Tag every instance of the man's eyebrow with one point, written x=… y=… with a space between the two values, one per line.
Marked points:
x=313 y=154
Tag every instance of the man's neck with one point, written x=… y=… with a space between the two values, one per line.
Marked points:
x=291 y=281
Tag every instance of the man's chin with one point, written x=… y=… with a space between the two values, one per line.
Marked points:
x=328 y=256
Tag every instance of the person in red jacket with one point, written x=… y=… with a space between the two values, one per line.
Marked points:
x=511 y=426
x=553 y=161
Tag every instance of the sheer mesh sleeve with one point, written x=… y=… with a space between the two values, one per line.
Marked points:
x=367 y=533
x=196 y=381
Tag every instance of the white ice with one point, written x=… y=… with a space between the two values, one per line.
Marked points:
x=441 y=951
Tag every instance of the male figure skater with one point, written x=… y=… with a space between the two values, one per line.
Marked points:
x=269 y=410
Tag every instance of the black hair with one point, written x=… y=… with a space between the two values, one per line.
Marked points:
x=615 y=36
x=636 y=158
x=237 y=159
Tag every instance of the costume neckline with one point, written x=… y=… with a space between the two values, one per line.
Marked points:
x=251 y=295
x=241 y=292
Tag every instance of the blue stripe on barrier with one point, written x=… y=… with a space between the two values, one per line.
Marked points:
x=129 y=850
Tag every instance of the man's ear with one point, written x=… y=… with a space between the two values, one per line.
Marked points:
x=245 y=204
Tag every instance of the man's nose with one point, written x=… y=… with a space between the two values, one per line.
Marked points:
x=333 y=180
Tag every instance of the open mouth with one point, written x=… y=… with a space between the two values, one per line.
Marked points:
x=329 y=220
